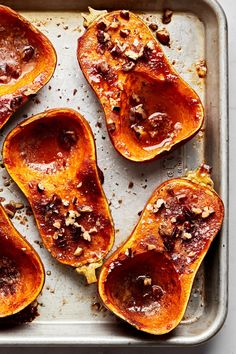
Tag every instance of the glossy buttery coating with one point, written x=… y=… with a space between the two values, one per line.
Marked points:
x=149 y=109
x=27 y=61
x=52 y=158
x=148 y=280
x=21 y=270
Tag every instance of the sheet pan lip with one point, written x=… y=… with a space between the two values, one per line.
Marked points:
x=223 y=258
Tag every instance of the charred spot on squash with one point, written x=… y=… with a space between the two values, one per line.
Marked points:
x=27 y=60
x=142 y=285
x=127 y=61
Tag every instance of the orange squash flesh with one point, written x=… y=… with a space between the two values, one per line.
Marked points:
x=52 y=158
x=27 y=62
x=21 y=270
x=148 y=280
x=149 y=108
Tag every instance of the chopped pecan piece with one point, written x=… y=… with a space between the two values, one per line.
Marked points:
x=103 y=25
x=207 y=211
x=28 y=53
x=137 y=112
x=163 y=36
x=167 y=15
x=124 y=33
x=153 y=27
x=102 y=37
x=78 y=251
x=124 y=14
x=128 y=66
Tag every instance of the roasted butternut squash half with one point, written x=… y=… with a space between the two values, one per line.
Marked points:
x=148 y=280
x=21 y=270
x=27 y=61
x=52 y=158
x=149 y=108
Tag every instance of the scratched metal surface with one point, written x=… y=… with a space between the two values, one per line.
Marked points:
x=67 y=315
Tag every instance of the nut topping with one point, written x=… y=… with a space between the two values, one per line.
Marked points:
x=124 y=33
x=157 y=205
x=78 y=251
x=207 y=211
x=28 y=53
x=128 y=66
x=124 y=14
x=111 y=127
x=186 y=236
x=153 y=27
x=103 y=25
x=102 y=37
x=137 y=112
x=147 y=281
x=85 y=209
x=131 y=54
x=196 y=211
x=66 y=203
x=163 y=36
x=151 y=247
x=114 y=24
x=40 y=187
x=167 y=15
x=57 y=224
x=71 y=217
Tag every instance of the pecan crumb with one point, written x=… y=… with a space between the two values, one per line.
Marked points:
x=196 y=211
x=102 y=37
x=186 y=236
x=167 y=15
x=124 y=14
x=40 y=187
x=147 y=281
x=157 y=205
x=85 y=209
x=153 y=26
x=111 y=127
x=128 y=66
x=201 y=68
x=163 y=36
x=78 y=251
x=151 y=247
x=57 y=224
x=124 y=33
x=207 y=211
x=131 y=184
x=71 y=217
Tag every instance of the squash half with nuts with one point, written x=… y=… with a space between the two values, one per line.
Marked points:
x=148 y=280
x=21 y=270
x=27 y=61
x=52 y=158
x=149 y=108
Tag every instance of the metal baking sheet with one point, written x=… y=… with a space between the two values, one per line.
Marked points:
x=67 y=314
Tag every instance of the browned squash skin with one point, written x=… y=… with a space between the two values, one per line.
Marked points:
x=21 y=270
x=52 y=158
x=149 y=109
x=148 y=280
x=27 y=62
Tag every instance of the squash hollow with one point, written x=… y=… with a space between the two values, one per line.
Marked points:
x=21 y=270
x=148 y=280
x=27 y=62
x=52 y=158
x=149 y=108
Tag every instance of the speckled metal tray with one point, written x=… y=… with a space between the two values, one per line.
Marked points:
x=68 y=315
